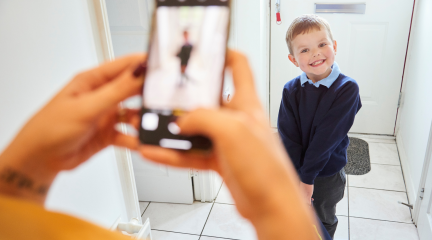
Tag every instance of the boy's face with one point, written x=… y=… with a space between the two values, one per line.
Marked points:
x=314 y=53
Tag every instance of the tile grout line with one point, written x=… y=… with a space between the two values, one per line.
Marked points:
x=403 y=176
x=214 y=201
x=176 y=232
x=217 y=195
x=372 y=136
x=379 y=189
x=349 y=224
x=145 y=209
x=385 y=164
x=377 y=141
x=225 y=203
x=219 y=237
x=381 y=220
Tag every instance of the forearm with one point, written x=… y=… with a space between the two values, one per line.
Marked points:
x=284 y=227
x=277 y=207
x=24 y=174
x=286 y=216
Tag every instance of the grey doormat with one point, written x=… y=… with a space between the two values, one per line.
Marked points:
x=358 y=157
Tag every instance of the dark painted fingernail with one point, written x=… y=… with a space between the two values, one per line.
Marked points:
x=140 y=70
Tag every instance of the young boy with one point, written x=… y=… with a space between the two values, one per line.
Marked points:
x=317 y=111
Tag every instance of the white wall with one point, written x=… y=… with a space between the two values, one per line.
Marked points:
x=249 y=35
x=416 y=111
x=42 y=45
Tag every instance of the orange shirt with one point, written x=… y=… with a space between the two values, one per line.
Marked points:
x=25 y=220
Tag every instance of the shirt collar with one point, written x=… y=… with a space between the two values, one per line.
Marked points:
x=327 y=82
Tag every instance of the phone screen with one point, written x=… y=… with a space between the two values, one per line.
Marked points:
x=184 y=68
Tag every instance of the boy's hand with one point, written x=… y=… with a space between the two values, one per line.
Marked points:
x=307 y=192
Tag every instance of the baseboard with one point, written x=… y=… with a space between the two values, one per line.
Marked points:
x=372 y=136
x=206 y=185
x=406 y=170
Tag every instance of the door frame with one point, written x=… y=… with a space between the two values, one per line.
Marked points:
x=401 y=93
x=426 y=163
x=262 y=71
x=265 y=28
x=409 y=184
x=105 y=52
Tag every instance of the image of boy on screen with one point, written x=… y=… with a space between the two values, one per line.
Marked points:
x=186 y=58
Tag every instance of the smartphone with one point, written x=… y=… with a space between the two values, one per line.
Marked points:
x=185 y=68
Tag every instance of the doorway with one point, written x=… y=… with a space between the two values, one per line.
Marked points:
x=129 y=23
x=422 y=211
x=371 y=49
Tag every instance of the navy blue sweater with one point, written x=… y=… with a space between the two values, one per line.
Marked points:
x=314 y=122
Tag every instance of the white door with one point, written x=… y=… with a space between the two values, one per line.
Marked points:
x=130 y=27
x=423 y=204
x=371 y=49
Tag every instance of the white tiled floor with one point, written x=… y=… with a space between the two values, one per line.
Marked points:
x=342 y=231
x=368 y=211
x=224 y=221
x=181 y=218
x=385 y=177
x=172 y=236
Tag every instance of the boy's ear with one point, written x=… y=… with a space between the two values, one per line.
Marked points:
x=292 y=59
x=335 y=46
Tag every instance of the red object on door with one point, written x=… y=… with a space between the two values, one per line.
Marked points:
x=278 y=19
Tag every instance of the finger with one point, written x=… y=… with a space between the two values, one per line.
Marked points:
x=212 y=123
x=106 y=72
x=127 y=115
x=174 y=158
x=112 y=93
x=132 y=119
x=245 y=96
x=135 y=122
x=127 y=141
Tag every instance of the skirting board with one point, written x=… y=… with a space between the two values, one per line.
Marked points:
x=371 y=136
x=144 y=232
x=406 y=170
x=206 y=185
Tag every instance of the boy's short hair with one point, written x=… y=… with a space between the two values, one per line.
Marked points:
x=304 y=24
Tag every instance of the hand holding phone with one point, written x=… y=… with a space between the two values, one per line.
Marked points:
x=184 y=70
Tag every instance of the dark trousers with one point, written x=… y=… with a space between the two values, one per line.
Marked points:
x=328 y=191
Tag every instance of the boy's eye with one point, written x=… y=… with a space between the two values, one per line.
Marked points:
x=304 y=50
x=322 y=44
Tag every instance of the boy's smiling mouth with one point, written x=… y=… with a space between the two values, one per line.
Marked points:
x=317 y=63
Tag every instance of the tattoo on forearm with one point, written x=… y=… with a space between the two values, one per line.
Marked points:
x=21 y=181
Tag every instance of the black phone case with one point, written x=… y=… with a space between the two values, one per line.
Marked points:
x=199 y=143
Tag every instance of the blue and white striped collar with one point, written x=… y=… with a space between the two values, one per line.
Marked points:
x=327 y=82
